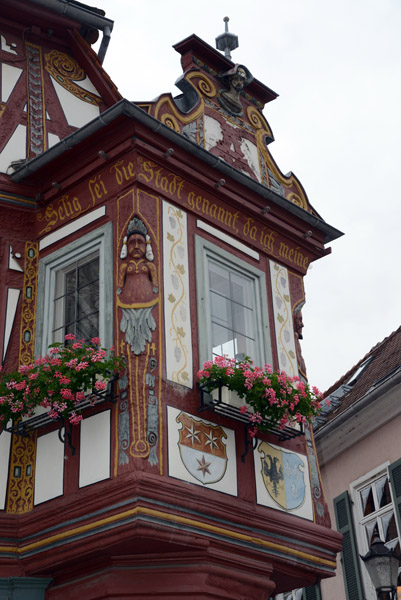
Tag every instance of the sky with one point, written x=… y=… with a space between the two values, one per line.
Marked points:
x=336 y=123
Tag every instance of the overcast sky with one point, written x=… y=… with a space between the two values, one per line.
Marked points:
x=337 y=125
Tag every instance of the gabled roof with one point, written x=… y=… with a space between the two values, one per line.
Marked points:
x=378 y=365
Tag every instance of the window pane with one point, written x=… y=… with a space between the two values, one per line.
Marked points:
x=242 y=289
x=76 y=306
x=220 y=309
x=383 y=492
x=232 y=311
x=245 y=347
x=368 y=505
x=88 y=273
x=371 y=530
x=88 y=327
x=219 y=279
x=389 y=527
x=223 y=341
x=243 y=320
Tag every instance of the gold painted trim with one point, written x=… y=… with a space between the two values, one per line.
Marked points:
x=139 y=510
x=28 y=308
x=17 y=199
x=66 y=71
x=205 y=85
x=142 y=305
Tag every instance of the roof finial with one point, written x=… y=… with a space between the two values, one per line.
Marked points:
x=227 y=41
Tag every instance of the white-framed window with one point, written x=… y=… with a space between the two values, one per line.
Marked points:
x=232 y=306
x=293 y=595
x=309 y=593
x=373 y=512
x=75 y=291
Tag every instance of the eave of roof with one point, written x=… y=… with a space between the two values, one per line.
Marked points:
x=384 y=363
x=130 y=110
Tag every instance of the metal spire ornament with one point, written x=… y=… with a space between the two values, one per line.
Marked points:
x=227 y=41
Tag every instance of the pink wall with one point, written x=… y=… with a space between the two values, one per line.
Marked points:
x=364 y=456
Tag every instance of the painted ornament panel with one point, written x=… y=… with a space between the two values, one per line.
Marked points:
x=201 y=452
x=282 y=480
x=176 y=296
x=283 y=319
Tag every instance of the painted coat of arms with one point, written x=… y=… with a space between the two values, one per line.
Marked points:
x=283 y=474
x=202 y=449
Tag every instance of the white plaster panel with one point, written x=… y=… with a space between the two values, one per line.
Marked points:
x=12 y=263
x=7 y=47
x=201 y=463
x=73 y=226
x=177 y=311
x=213 y=132
x=227 y=239
x=5 y=441
x=12 y=302
x=9 y=78
x=250 y=151
x=94 y=456
x=52 y=139
x=49 y=468
x=77 y=111
x=283 y=319
x=88 y=85
x=282 y=480
x=15 y=149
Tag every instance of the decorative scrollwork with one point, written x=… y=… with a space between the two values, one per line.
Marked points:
x=257 y=120
x=66 y=71
x=171 y=122
x=204 y=84
x=295 y=199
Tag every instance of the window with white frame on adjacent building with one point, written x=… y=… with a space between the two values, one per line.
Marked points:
x=368 y=510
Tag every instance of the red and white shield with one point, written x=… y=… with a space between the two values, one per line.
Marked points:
x=202 y=449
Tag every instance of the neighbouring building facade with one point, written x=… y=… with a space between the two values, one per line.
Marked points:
x=357 y=438
x=166 y=229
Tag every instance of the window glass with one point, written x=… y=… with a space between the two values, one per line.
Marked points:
x=232 y=306
x=232 y=311
x=77 y=300
x=75 y=291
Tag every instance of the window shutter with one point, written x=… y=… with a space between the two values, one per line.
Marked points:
x=395 y=481
x=312 y=593
x=349 y=554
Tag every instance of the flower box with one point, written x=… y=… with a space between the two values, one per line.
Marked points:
x=265 y=399
x=58 y=386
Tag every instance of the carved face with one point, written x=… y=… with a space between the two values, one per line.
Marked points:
x=238 y=80
x=298 y=322
x=136 y=245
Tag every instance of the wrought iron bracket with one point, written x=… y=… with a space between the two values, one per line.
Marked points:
x=208 y=402
x=25 y=428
